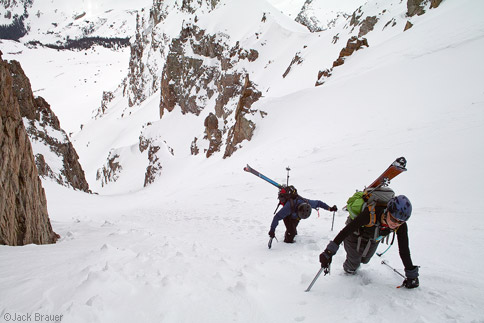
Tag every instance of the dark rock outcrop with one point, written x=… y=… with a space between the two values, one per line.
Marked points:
x=408 y=25
x=213 y=134
x=367 y=25
x=43 y=126
x=189 y=83
x=158 y=151
x=136 y=81
x=243 y=128
x=154 y=168
x=353 y=44
x=296 y=60
x=110 y=171
x=417 y=7
x=23 y=205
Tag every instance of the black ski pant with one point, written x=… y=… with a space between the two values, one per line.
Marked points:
x=291 y=229
x=359 y=250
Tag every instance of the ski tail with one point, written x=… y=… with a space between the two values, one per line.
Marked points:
x=267 y=179
x=397 y=167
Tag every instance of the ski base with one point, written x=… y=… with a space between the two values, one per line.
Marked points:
x=397 y=167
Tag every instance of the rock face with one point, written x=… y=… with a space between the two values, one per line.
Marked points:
x=243 y=128
x=43 y=128
x=110 y=171
x=23 y=205
x=417 y=7
x=366 y=25
x=353 y=44
x=189 y=83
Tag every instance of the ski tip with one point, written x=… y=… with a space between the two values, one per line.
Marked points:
x=400 y=162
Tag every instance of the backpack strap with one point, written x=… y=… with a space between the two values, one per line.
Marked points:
x=371 y=208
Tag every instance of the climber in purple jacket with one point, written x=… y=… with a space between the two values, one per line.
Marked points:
x=294 y=208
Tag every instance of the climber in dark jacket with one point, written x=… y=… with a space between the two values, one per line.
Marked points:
x=362 y=235
x=293 y=210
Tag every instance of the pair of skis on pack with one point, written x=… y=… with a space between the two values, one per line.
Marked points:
x=395 y=168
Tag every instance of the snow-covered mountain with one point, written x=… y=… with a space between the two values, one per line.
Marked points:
x=215 y=60
x=179 y=233
x=57 y=22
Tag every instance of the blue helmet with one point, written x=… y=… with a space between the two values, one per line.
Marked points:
x=400 y=207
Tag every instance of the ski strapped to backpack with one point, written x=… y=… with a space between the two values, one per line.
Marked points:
x=377 y=193
x=267 y=179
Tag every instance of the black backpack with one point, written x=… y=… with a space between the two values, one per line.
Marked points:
x=287 y=193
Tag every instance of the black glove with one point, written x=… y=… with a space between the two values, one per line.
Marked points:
x=272 y=233
x=410 y=283
x=326 y=256
x=334 y=208
x=412 y=277
x=325 y=259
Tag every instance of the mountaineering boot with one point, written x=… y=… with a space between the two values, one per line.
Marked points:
x=349 y=272
x=288 y=238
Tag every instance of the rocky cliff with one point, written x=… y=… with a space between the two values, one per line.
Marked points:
x=23 y=205
x=59 y=161
x=190 y=83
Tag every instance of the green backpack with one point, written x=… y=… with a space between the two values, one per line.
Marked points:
x=378 y=196
x=355 y=204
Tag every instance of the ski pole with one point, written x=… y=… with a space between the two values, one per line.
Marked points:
x=288 y=170
x=386 y=264
x=332 y=224
x=326 y=271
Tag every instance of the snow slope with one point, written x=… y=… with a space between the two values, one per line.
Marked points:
x=193 y=245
